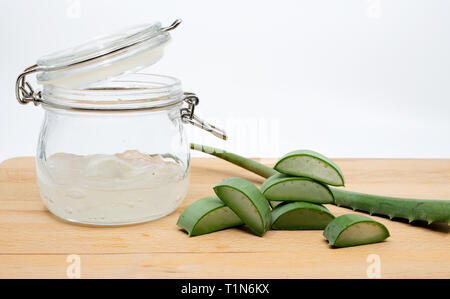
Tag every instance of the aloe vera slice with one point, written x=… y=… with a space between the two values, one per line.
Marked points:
x=281 y=187
x=354 y=229
x=247 y=202
x=310 y=164
x=207 y=215
x=300 y=215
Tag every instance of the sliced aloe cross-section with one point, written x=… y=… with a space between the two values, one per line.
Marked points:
x=207 y=215
x=354 y=229
x=310 y=164
x=247 y=202
x=281 y=187
x=300 y=215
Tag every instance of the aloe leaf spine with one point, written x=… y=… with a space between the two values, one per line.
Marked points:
x=406 y=208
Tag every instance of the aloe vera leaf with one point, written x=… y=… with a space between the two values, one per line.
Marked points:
x=281 y=187
x=207 y=215
x=406 y=208
x=247 y=202
x=310 y=164
x=354 y=229
x=436 y=210
x=248 y=164
x=300 y=215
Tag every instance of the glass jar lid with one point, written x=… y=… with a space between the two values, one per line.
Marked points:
x=102 y=58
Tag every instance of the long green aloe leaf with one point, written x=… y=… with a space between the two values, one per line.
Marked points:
x=406 y=208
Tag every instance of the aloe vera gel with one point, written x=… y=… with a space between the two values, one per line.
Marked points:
x=110 y=189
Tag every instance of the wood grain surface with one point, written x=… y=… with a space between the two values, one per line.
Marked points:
x=34 y=243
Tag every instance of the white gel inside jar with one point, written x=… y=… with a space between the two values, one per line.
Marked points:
x=124 y=187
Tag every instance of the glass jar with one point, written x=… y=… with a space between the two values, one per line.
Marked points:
x=112 y=150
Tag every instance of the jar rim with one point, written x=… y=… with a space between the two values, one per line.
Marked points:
x=133 y=91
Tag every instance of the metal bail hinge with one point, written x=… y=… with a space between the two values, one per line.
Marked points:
x=188 y=116
x=24 y=92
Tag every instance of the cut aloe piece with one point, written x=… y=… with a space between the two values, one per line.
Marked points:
x=300 y=215
x=310 y=164
x=354 y=229
x=247 y=202
x=207 y=215
x=282 y=187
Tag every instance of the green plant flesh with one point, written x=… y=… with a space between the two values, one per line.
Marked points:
x=411 y=209
x=247 y=202
x=207 y=215
x=306 y=163
x=281 y=187
x=406 y=208
x=300 y=215
x=354 y=229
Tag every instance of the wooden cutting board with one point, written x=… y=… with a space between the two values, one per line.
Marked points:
x=34 y=243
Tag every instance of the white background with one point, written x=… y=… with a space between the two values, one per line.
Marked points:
x=349 y=78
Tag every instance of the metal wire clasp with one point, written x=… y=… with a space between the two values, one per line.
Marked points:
x=188 y=116
x=24 y=92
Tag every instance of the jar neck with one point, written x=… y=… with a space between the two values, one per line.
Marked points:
x=127 y=93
